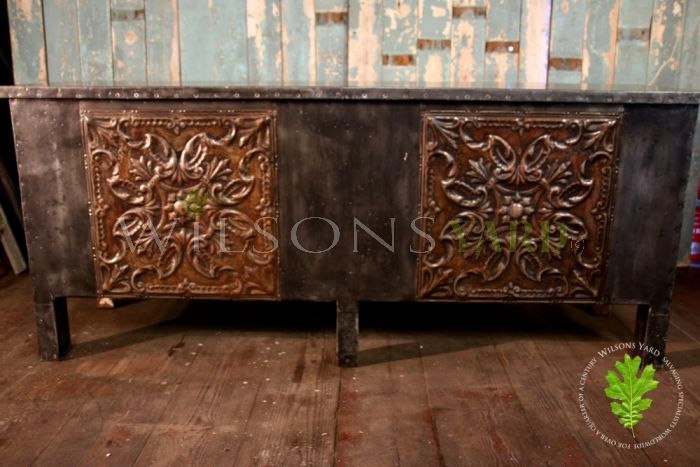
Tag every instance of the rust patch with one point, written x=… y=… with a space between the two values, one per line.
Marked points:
x=332 y=17
x=512 y=47
x=565 y=64
x=633 y=34
x=474 y=11
x=434 y=44
x=399 y=60
x=127 y=15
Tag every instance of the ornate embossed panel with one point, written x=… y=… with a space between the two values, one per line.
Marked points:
x=183 y=203
x=520 y=205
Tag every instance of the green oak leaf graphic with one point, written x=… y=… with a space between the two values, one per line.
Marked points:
x=629 y=391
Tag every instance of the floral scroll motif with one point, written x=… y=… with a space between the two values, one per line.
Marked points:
x=180 y=202
x=520 y=205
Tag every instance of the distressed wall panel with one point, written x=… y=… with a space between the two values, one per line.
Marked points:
x=534 y=41
x=502 y=42
x=299 y=41
x=27 y=39
x=264 y=41
x=424 y=42
x=62 y=47
x=468 y=41
x=365 y=23
x=162 y=42
x=213 y=41
x=665 y=43
x=633 y=41
x=129 y=41
x=95 y=41
x=599 y=40
x=399 y=40
x=434 y=42
x=566 y=41
x=331 y=41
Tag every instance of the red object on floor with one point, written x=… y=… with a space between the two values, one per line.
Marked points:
x=695 y=245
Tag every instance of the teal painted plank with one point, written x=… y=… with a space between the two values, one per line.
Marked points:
x=400 y=27
x=503 y=20
x=331 y=5
x=434 y=42
x=665 y=43
x=27 y=41
x=502 y=26
x=128 y=41
x=264 y=41
x=213 y=41
x=95 y=41
x=399 y=74
x=298 y=42
x=600 y=40
x=331 y=53
x=331 y=41
x=162 y=42
x=566 y=40
x=365 y=22
x=534 y=42
x=434 y=19
x=633 y=41
x=690 y=54
x=564 y=76
x=467 y=45
x=62 y=46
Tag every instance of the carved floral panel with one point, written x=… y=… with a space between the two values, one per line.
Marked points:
x=518 y=206
x=182 y=203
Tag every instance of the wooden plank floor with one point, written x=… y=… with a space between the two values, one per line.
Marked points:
x=214 y=383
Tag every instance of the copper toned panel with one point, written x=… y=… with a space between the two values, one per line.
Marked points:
x=205 y=182
x=518 y=206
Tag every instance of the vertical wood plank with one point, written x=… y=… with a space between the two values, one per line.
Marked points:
x=95 y=41
x=665 y=43
x=434 y=42
x=129 y=41
x=62 y=46
x=213 y=42
x=298 y=42
x=27 y=41
x=633 y=42
x=331 y=41
x=264 y=41
x=502 y=42
x=690 y=54
x=364 y=41
x=534 y=42
x=163 y=42
x=566 y=41
x=600 y=39
x=468 y=42
x=399 y=41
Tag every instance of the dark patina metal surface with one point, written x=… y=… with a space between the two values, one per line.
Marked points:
x=484 y=93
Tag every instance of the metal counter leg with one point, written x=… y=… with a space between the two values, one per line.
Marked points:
x=347 y=329
x=53 y=331
x=650 y=330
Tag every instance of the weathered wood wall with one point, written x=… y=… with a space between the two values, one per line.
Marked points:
x=424 y=42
